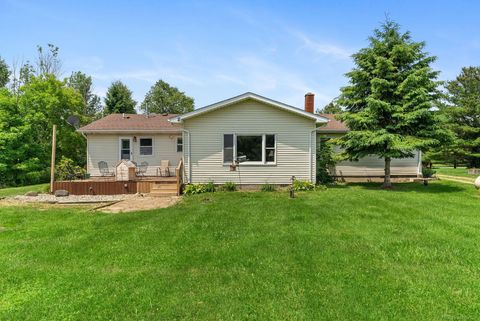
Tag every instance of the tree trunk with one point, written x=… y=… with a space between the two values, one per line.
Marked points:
x=454 y=163
x=387 y=182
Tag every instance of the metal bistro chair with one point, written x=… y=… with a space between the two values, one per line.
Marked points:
x=142 y=169
x=104 y=171
x=164 y=167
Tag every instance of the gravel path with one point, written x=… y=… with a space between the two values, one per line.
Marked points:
x=48 y=198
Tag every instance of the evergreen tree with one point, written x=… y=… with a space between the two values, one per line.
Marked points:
x=389 y=99
x=165 y=99
x=462 y=110
x=119 y=99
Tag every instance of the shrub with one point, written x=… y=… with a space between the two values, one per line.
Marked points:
x=229 y=187
x=210 y=187
x=299 y=185
x=428 y=172
x=268 y=187
x=191 y=189
x=66 y=169
x=325 y=161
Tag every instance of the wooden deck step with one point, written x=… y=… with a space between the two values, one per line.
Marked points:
x=162 y=193
x=164 y=187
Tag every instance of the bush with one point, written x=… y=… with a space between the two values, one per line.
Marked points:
x=428 y=172
x=268 y=187
x=209 y=187
x=325 y=161
x=66 y=169
x=299 y=185
x=229 y=187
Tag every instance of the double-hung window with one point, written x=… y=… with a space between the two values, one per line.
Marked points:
x=179 y=144
x=146 y=146
x=253 y=149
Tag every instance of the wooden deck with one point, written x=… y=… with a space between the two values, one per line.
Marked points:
x=155 y=185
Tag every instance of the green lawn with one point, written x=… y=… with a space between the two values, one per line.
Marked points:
x=459 y=171
x=348 y=253
x=23 y=189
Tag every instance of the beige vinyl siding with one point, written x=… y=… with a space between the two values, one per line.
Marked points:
x=374 y=166
x=105 y=147
x=249 y=117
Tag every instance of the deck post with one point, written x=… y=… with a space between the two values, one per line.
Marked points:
x=52 y=164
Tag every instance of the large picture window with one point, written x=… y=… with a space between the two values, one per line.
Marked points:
x=146 y=146
x=256 y=149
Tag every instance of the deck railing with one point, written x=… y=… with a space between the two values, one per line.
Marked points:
x=179 y=175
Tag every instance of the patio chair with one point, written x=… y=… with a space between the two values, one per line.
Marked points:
x=142 y=169
x=104 y=171
x=164 y=167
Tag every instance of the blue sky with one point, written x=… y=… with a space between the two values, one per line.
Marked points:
x=213 y=50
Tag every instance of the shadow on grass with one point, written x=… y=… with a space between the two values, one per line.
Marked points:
x=432 y=187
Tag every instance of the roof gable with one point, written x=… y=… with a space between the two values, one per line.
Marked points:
x=245 y=96
x=333 y=126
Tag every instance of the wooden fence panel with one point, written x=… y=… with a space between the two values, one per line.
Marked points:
x=96 y=187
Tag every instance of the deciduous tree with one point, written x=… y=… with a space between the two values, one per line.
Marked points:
x=165 y=99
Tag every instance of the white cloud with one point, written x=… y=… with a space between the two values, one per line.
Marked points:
x=321 y=48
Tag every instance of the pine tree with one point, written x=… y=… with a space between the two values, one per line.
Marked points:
x=389 y=99
x=119 y=99
x=462 y=109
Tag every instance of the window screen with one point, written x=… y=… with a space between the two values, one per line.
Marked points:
x=146 y=146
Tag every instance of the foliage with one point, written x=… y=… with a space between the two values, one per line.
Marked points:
x=48 y=61
x=4 y=73
x=267 y=187
x=462 y=109
x=83 y=84
x=325 y=161
x=389 y=100
x=331 y=108
x=428 y=172
x=300 y=185
x=119 y=99
x=165 y=99
x=210 y=187
x=229 y=187
x=191 y=189
x=67 y=169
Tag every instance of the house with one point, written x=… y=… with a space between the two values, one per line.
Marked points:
x=370 y=167
x=247 y=139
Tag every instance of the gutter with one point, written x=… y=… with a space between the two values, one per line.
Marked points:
x=189 y=157
x=311 y=153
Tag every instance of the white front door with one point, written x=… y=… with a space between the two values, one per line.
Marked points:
x=125 y=148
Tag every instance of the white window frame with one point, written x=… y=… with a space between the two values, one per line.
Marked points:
x=177 y=144
x=263 y=162
x=140 y=146
x=120 y=147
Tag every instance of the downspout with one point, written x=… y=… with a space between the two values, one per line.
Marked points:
x=189 y=178
x=311 y=153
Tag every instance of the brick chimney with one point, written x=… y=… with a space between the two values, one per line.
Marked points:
x=309 y=102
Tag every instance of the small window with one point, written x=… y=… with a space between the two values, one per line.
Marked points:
x=270 y=148
x=228 y=148
x=146 y=146
x=179 y=144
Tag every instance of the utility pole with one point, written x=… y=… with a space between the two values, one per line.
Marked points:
x=52 y=164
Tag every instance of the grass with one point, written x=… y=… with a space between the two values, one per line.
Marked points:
x=12 y=191
x=459 y=171
x=351 y=252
